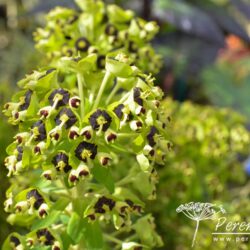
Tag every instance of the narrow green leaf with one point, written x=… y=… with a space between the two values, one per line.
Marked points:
x=33 y=107
x=66 y=240
x=26 y=157
x=75 y=228
x=47 y=221
x=60 y=204
x=6 y=244
x=93 y=235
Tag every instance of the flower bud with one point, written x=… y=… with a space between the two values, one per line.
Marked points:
x=39 y=148
x=19 y=116
x=140 y=110
x=104 y=159
x=73 y=177
x=135 y=125
x=55 y=134
x=87 y=132
x=83 y=171
x=92 y=50
x=148 y=150
x=22 y=137
x=56 y=246
x=110 y=136
x=22 y=206
x=10 y=108
x=8 y=205
x=155 y=104
x=30 y=242
x=74 y=102
x=92 y=217
x=10 y=163
x=74 y=133
x=43 y=210
x=48 y=175
x=121 y=207
x=45 y=112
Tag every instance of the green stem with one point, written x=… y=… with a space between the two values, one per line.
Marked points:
x=102 y=87
x=126 y=180
x=113 y=92
x=131 y=238
x=81 y=82
x=112 y=239
x=125 y=97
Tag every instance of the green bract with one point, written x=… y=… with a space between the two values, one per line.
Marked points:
x=82 y=163
x=100 y=29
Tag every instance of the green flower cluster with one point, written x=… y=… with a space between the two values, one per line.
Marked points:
x=101 y=29
x=79 y=126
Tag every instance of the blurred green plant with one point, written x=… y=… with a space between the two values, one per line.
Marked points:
x=204 y=166
x=18 y=51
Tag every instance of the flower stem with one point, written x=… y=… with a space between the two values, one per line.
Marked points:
x=126 y=180
x=102 y=87
x=195 y=233
x=81 y=82
x=113 y=92
x=112 y=239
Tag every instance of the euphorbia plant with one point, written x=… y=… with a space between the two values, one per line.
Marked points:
x=98 y=28
x=83 y=160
